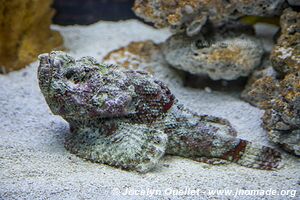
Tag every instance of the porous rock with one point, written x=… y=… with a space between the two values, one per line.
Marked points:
x=221 y=54
x=262 y=85
x=294 y=2
x=282 y=119
x=286 y=53
x=191 y=15
x=145 y=56
x=277 y=90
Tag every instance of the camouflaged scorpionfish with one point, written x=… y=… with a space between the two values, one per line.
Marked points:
x=130 y=120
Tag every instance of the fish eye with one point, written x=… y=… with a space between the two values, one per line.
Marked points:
x=69 y=74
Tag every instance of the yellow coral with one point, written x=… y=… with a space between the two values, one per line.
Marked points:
x=25 y=32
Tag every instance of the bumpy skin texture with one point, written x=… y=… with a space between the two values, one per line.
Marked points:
x=130 y=120
x=221 y=54
x=286 y=54
x=191 y=15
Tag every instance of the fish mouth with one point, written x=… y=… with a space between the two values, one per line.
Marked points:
x=43 y=57
x=45 y=70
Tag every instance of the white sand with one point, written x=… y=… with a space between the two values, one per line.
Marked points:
x=35 y=165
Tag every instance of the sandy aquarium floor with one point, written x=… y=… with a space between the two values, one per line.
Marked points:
x=35 y=165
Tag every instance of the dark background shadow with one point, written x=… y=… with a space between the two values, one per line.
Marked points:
x=84 y=12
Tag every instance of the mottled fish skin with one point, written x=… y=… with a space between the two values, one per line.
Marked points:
x=128 y=119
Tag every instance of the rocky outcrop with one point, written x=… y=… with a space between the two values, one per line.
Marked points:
x=220 y=54
x=191 y=15
x=277 y=90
